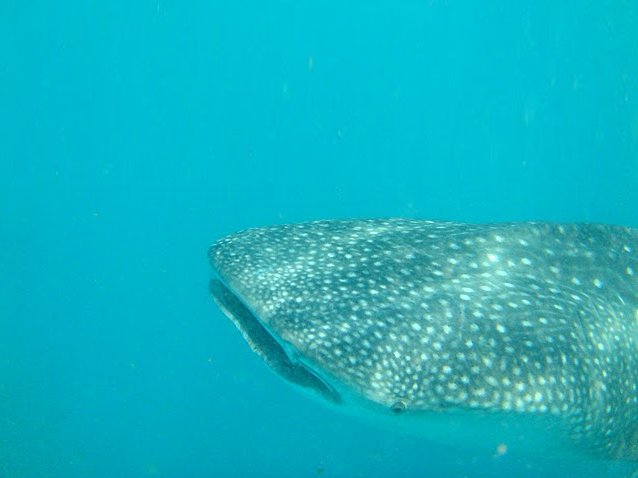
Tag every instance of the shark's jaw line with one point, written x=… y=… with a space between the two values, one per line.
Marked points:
x=265 y=344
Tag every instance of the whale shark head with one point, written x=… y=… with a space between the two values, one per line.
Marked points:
x=433 y=318
x=304 y=298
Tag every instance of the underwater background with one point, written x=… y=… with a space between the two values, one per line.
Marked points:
x=135 y=133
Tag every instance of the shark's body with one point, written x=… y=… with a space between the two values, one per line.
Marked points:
x=504 y=322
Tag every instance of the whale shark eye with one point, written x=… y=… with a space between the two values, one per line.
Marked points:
x=398 y=407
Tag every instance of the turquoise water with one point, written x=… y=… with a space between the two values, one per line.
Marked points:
x=133 y=134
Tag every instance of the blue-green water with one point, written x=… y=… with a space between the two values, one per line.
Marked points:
x=133 y=134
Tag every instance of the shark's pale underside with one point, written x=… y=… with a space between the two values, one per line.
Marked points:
x=462 y=326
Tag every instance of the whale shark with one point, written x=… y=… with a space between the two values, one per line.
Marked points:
x=506 y=335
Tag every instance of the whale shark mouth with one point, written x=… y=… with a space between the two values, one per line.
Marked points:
x=266 y=344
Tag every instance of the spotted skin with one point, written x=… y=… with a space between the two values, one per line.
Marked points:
x=525 y=318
